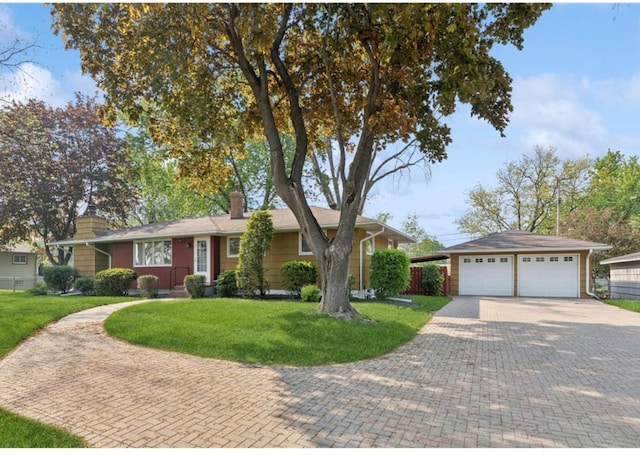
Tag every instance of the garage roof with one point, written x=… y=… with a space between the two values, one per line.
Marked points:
x=626 y=258
x=514 y=240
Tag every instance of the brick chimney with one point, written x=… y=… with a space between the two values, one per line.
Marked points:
x=89 y=226
x=236 y=209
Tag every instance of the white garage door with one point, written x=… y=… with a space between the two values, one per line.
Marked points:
x=486 y=275
x=548 y=275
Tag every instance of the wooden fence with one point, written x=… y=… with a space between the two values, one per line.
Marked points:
x=415 y=286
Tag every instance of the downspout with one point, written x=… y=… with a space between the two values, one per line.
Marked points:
x=361 y=291
x=99 y=251
x=588 y=273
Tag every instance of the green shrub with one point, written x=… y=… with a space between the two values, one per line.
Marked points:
x=195 y=284
x=254 y=245
x=85 y=285
x=148 y=285
x=114 y=282
x=226 y=285
x=40 y=288
x=432 y=279
x=390 y=272
x=296 y=274
x=310 y=293
x=59 y=277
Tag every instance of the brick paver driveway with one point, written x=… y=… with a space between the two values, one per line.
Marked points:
x=498 y=372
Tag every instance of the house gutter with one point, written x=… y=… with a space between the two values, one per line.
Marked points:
x=361 y=291
x=99 y=251
x=588 y=273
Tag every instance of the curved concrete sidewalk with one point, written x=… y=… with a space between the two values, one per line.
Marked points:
x=482 y=373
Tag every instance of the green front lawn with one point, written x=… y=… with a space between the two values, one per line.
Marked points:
x=270 y=332
x=21 y=315
x=633 y=305
x=19 y=432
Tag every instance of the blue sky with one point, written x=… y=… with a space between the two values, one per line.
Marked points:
x=576 y=88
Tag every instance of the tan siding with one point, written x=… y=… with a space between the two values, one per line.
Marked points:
x=284 y=248
x=455 y=274
x=88 y=261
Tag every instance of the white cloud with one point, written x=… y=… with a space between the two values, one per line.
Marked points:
x=614 y=93
x=29 y=81
x=549 y=112
x=33 y=81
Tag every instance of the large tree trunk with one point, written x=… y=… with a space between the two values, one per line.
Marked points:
x=334 y=276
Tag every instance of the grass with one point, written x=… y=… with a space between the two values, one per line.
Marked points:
x=21 y=315
x=632 y=305
x=19 y=432
x=269 y=332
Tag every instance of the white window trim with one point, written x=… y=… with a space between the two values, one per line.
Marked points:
x=300 y=252
x=135 y=249
x=370 y=246
x=229 y=255
x=14 y=262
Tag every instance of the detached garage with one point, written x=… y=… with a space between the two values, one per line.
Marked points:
x=518 y=263
x=624 y=276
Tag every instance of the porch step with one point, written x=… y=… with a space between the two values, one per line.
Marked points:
x=178 y=292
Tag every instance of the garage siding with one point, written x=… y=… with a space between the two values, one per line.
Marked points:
x=625 y=280
x=455 y=268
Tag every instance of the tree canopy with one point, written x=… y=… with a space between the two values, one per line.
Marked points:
x=367 y=75
x=54 y=161
x=526 y=194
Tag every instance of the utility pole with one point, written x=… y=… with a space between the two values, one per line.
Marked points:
x=558 y=207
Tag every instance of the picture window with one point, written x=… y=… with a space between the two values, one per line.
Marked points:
x=156 y=252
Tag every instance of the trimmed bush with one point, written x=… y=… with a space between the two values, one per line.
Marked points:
x=310 y=293
x=194 y=284
x=226 y=285
x=432 y=279
x=296 y=274
x=59 y=277
x=39 y=288
x=254 y=245
x=114 y=282
x=148 y=285
x=85 y=285
x=390 y=272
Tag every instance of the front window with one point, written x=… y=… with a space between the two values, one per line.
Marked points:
x=153 y=252
x=303 y=246
x=233 y=247
x=369 y=246
x=19 y=259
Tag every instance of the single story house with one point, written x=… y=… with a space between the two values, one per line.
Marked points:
x=624 y=276
x=209 y=245
x=18 y=268
x=519 y=263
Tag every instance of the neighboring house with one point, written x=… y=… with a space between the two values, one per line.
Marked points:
x=624 y=276
x=209 y=245
x=18 y=268
x=518 y=263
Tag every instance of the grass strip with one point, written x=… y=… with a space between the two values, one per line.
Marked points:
x=631 y=305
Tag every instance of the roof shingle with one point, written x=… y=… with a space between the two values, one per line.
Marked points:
x=514 y=240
